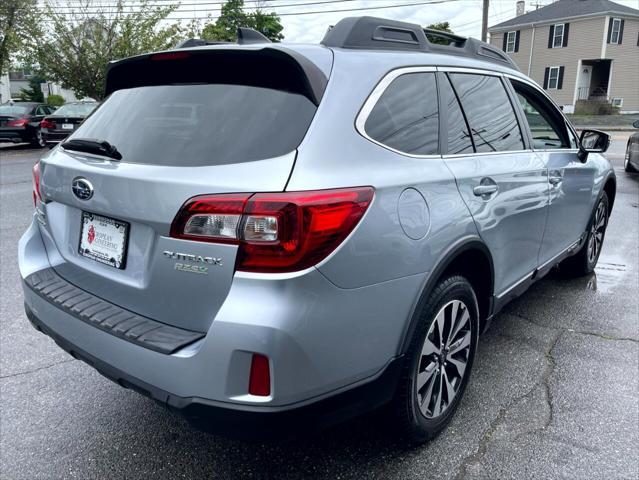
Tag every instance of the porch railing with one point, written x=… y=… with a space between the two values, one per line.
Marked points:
x=582 y=93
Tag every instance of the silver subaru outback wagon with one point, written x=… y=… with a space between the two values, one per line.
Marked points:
x=268 y=238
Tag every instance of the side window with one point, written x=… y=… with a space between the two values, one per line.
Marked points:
x=41 y=110
x=547 y=127
x=489 y=112
x=458 y=136
x=405 y=117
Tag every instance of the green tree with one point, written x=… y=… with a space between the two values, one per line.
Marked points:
x=441 y=26
x=55 y=100
x=33 y=93
x=15 y=16
x=74 y=48
x=224 y=29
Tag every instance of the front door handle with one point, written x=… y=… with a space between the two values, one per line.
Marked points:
x=485 y=190
x=555 y=179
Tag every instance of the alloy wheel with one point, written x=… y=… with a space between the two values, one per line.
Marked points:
x=443 y=359
x=597 y=231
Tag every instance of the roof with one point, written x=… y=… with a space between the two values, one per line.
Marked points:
x=566 y=9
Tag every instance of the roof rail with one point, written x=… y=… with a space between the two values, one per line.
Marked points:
x=371 y=33
x=245 y=36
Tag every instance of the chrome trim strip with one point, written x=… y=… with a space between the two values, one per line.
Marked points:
x=516 y=284
x=478 y=154
x=560 y=254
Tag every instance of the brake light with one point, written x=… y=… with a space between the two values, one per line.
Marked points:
x=260 y=376
x=47 y=124
x=170 y=56
x=276 y=232
x=37 y=197
x=21 y=122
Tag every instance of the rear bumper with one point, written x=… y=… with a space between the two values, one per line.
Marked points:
x=18 y=135
x=54 y=137
x=244 y=421
x=323 y=343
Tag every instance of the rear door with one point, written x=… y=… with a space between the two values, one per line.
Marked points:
x=108 y=222
x=503 y=183
x=571 y=182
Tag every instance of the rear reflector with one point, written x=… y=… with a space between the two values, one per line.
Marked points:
x=276 y=232
x=260 y=376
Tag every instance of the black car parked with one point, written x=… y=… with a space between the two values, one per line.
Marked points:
x=64 y=121
x=20 y=122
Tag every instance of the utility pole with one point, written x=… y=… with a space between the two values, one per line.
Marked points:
x=484 y=21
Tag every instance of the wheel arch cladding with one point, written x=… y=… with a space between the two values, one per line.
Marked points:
x=470 y=259
x=610 y=187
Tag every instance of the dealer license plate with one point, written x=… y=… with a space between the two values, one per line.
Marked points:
x=104 y=239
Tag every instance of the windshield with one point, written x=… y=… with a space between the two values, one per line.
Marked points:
x=198 y=125
x=12 y=110
x=76 y=109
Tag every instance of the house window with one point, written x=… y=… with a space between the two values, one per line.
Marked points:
x=510 y=42
x=553 y=78
x=558 y=37
x=617 y=102
x=616 y=28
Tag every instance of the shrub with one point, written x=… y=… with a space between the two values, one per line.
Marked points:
x=55 y=100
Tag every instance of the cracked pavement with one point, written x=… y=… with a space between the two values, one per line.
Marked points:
x=554 y=391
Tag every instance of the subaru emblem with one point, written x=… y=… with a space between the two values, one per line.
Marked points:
x=82 y=188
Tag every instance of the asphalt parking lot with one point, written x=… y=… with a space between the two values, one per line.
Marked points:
x=554 y=392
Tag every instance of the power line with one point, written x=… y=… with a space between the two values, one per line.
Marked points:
x=260 y=4
x=317 y=12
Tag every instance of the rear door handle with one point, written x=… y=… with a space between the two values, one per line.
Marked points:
x=485 y=190
x=555 y=180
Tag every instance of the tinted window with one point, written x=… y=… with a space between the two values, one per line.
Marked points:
x=405 y=116
x=489 y=112
x=547 y=127
x=456 y=127
x=76 y=109
x=196 y=125
x=11 y=110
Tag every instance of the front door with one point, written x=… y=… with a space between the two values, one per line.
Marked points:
x=503 y=183
x=571 y=182
x=583 y=87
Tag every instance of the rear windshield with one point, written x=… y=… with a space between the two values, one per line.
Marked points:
x=76 y=109
x=199 y=125
x=14 y=109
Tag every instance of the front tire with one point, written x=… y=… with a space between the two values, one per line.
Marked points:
x=438 y=362
x=585 y=261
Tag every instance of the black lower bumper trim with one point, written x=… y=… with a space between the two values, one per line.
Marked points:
x=106 y=316
x=250 y=422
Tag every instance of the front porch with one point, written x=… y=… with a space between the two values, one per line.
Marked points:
x=593 y=87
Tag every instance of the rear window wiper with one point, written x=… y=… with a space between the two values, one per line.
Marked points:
x=92 y=145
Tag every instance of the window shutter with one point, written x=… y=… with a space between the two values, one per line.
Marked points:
x=609 y=30
x=503 y=47
x=546 y=73
x=621 y=31
x=565 y=42
x=551 y=35
x=560 y=80
x=517 y=40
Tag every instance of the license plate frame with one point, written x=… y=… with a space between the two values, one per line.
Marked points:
x=67 y=126
x=107 y=225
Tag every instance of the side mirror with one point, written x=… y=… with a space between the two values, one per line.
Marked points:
x=635 y=124
x=592 y=141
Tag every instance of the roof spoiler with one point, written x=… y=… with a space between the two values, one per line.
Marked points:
x=371 y=33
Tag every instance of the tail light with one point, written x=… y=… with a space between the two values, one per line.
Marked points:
x=260 y=376
x=47 y=124
x=21 y=122
x=37 y=197
x=276 y=232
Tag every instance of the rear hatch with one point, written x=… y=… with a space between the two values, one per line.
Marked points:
x=186 y=123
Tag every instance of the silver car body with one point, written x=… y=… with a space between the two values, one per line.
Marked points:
x=337 y=325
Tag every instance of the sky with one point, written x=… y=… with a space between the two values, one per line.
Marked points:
x=463 y=15
x=306 y=21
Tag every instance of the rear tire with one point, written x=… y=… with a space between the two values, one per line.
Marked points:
x=37 y=140
x=438 y=362
x=584 y=262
